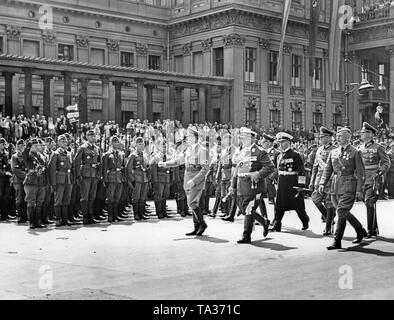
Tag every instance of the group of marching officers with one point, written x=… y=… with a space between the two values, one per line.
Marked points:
x=54 y=181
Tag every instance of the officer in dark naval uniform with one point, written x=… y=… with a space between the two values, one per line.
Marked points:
x=87 y=171
x=137 y=175
x=377 y=163
x=291 y=174
x=346 y=165
x=268 y=145
x=19 y=174
x=254 y=166
x=61 y=182
x=323 y=200
x=113 y=178
x=5 y=175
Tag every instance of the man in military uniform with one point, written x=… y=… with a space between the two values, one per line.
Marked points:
x=113 y=178
x=61 y=182
x=291 y=175
x=346 y=165
x=196 y=160
x=254 y=166
x=5 y=175
x=179 y=176
x=377 y=163
x=137 y=175
x=87 y=169
x=48 y=213
x=160 y=180
x=35 y=181
x=216 y=176
x=323 y=200
x=390 y=174
x=268 y=145
x=19 y=174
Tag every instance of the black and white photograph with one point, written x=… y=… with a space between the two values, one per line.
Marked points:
x=196 y=154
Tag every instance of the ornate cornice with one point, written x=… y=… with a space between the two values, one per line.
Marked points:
x=113 y=45
x=82 y=41
x=13 y=32
x=233 y=39
x=49 y=36
x=265 y=43
x=141 y=48
x=206 y=44
x=187 y=49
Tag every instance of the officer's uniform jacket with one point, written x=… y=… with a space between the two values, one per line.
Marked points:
x=226 y=163
x=375 y=159
x=60 y=168
x=179 y=170
x=159 y=174
x=87 y=161
x=18 y=168
x=5 y=168
x=137 y=167
x=113 y=166
x=251 y=159
x=391 y=156
x=36 y=168
x=347 y=167
x=321 y=157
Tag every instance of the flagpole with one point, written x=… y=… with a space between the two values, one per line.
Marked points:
x=346 y=73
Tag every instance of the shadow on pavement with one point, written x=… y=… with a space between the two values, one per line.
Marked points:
x=204 y=238
x=307 y=233
x=361 y=248
x=272 y=246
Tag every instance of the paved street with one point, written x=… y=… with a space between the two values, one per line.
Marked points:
x=154 y=260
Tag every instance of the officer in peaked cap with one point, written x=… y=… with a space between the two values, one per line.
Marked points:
x=5 y=174
x=268 y=144
x=18 y=176
x=113 y=163
x=377 y=163
x=291 y=174
x=87 y=164
x=323 y=200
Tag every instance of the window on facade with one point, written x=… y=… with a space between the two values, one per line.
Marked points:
x=274 y=119
x=317 y=120
x=1 y=45
x=97 y=56
x=31 y=48
x=154 y=62
x=382 y=75
x=127 y=59
x=197 y=63
x=337 y=120
x=178 y=2
x=296 y=120
x=296 y=71
x=219 y=62
x=195 y=117
x=251 y=116
x=250 y=65
x=216 y=115
x=365 y=69
x=273 y=79
x=178 y=63
x=65 y=52
x=318 y=75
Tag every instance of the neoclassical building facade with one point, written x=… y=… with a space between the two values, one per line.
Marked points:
x=195 y=61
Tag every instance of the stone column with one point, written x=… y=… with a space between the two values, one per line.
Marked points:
x=226 y=104
x=47 y=95
x=83 y=101
x=202 y=105
x=105 y=99
x=67 y=77
x=327 y=110
x=286 y=83
x=118 y=102
x=140 y=99
x=187 y=68
x=149 y=102
x=209 y=108
x=172 y=102
x=391 y=112
x=234 y=67
x=8 y=93
x=207 y=57
x=28 y=91
x=178 y=103
x=264 y=71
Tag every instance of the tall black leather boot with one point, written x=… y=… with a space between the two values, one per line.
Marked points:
x=65 y=219
x=200 y=218
x=323 y=211
x=71 y=216
x=141 y=209
x=232 y=210
x=215 y=208
x=136 y=214
x=58 y=216
x=38 y=215
x=196 y=227
x=85 y=212
x=248 y=229
x=158 y=209
x=329 y=221
x=115 y=209
x=91 y=213
x=31 y=216
x=164 y=208
x=181 y=207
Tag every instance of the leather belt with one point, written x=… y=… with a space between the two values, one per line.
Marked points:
x=287 y=173
x=343 y=174
x=372 y=167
